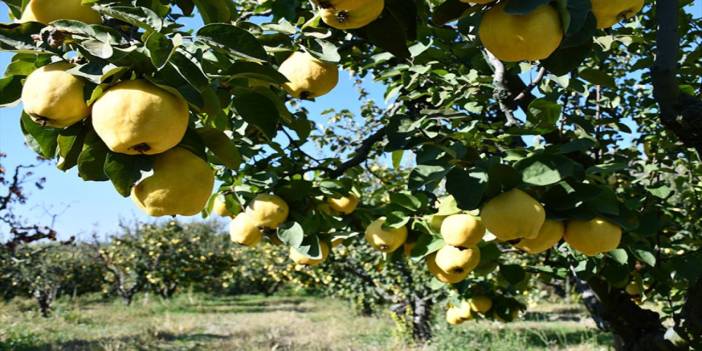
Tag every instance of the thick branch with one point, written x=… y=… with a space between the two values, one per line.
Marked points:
x=361 y=153
x=502 y=94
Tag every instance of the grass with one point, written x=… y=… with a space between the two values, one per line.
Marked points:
x=196 y=322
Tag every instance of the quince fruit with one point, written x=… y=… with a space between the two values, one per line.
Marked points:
x=136 y=117
x=54 y=97
x=181 y=184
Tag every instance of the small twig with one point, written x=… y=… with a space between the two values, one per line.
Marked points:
x=294 y=143
x=539 y=77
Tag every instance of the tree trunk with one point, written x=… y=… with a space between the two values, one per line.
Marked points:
x=593 y=305
x=45 y=298
x=691 y=317
x=635 y=328
x=421 y=319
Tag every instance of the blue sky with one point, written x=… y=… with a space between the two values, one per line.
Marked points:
x=86 y=207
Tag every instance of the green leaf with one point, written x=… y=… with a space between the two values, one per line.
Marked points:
x=577 y=145
x=291 y=234
x=324 y=50
x=10 y=90
x=97 y=48
x=257 y=110
x=598 y=77
x=310 y=247
x=547 y=169
x=141 y=17
x=451 y=10
x=232 y=40
x=386 y=32
x=252 y=70
x=91 y=161
x=646 y=257
x=221 y=146
x=125 y=170
x=395 y=219
x=427 y=176
x=543 y=115
x=619 y=255
x=426 y=245
x=616 y=274
x=566 y=59
x=70 y=144
x=159 y=48
x=514 y=274
x=468 y=188
x=41 y=139
x=213 y=11
x=338 y=187
x=17 y=37
x=406 y=200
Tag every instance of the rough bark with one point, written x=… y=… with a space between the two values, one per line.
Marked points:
x=635 y=328
x=679 y=113
x=421 y=319
x=690 y=319
x=45 y=298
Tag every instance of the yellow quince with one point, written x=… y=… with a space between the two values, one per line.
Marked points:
x=512 y=38
x=136 y=117
x=47 y=11
x=308 y=77
x=53 y=97
x=181 y=184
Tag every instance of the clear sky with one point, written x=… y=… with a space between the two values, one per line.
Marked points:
x=85 y=207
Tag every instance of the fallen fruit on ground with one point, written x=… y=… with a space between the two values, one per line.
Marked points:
x=304 y=260
x=268 y=211
x=549 y=235
x=308 y=77
x=513 y=215
x=181 y=184
x=53 y=97
x=243 y=231
x=462 y=230
x=46 y=11
x=609 y=12
x=385 y=240
x=346 y=204
x=350 y=14
x=136 y=117
x=593 y=237
x=528 y=37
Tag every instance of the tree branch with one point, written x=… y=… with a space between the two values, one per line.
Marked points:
x=360 y=155
x=502 y=93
